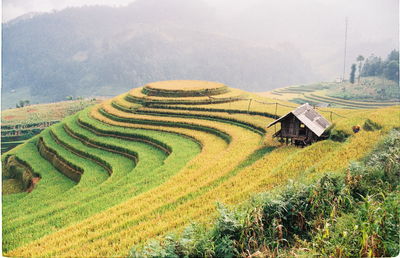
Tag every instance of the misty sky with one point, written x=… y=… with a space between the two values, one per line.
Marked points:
x=15 y=8
x=314 y=27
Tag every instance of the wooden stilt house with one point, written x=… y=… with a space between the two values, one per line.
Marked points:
x=301 y=126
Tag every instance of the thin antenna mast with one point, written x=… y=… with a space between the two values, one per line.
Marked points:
x=345 y=51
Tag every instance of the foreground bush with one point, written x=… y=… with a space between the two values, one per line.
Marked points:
x=354 y=215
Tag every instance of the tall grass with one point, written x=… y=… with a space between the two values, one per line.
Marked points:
x=337 y=216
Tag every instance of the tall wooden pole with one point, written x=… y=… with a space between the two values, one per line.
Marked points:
x=276 y=110
x=345 y=51
x=248 y=108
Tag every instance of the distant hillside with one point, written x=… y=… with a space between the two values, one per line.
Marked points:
x=371 y=92
x=20 y=124
x=102 y=51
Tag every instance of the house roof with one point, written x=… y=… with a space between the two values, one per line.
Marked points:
x=309 y=117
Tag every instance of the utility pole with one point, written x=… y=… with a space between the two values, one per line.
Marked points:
x=276 y=111
x=248 y=108
x=345 y=51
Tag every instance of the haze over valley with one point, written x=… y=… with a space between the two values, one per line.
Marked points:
x=252 y=45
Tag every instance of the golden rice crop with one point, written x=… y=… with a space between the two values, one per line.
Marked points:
x=138 y=94
x=184 y=85
x=191 y=193
x=310 y=158
x=193 y=177
x=204 y=205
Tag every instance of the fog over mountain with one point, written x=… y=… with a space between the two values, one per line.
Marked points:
x=254 y=45
x=316 y=28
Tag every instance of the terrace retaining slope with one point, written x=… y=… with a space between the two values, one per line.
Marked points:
x=14 y=168
x=59 y=163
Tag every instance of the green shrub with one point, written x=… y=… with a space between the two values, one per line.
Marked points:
x=335 y=135
x=225 y=247
x=372 y=230
x=338 y=136
x=370 y=125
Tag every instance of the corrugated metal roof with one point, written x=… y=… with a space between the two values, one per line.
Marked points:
x=309 y=117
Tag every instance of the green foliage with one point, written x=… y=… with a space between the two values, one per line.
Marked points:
x=378 y=81
x=353 y=73
x=225 y=247
x=370 y=125
x=372 y=226
x=371 y=230
x=22 y=103
x=370 y=89
x=391 y=70
x=374 y=66
x=195 y=241
x=226 y=232
x=337 y=135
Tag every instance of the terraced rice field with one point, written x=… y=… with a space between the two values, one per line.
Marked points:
x=321 y=95
x=337 y=102
x=153 y=160
x=298 y=89
x=21 y=124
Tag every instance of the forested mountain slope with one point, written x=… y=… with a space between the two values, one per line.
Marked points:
x=103 y=51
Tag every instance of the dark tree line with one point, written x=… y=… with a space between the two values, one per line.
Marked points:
x=22 y=103
x=375 y=66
